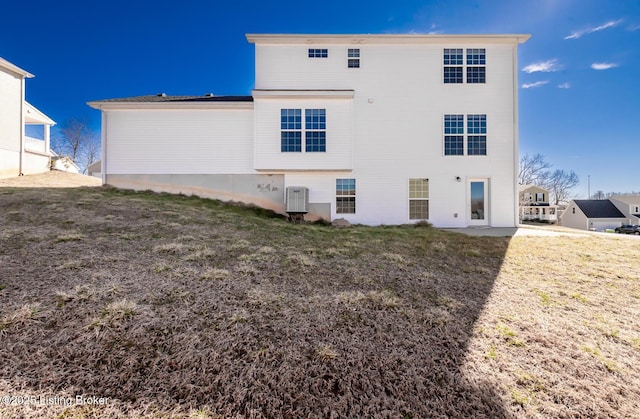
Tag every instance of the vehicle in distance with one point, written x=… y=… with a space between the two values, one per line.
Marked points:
x=628 y=229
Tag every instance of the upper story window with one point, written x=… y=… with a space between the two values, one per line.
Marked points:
x=318 y=53
x=539 y=196
x=315 y=130
x=290 y=130
x=476 y=70
x=475 y=139
x=455 y=67
x=353 y=58
x=453 y=135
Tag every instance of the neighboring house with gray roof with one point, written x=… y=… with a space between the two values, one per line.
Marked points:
x=21 y=154
x=592 y=214
x=629 y=205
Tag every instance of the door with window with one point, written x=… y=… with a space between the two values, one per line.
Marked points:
x=478 y=202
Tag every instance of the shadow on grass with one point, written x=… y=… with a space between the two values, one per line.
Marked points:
x=168 y=304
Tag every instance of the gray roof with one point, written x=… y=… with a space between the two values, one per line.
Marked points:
x=598 y=208
x=161 y=97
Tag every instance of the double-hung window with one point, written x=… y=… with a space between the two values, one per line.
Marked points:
x=453 y=135
x=315 y=130
x=290 y=130
x=453 y=65
x=418 y=199
x=474 y=143
x=345 y=196
x=474 y=67
x=353 y=58
x=477 y=135
x=476 y=61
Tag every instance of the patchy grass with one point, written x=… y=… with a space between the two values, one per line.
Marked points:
x=174 y=306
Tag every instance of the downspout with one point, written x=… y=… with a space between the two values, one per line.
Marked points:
x=22 y=130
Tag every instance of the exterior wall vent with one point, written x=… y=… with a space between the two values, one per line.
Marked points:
x=297 y=200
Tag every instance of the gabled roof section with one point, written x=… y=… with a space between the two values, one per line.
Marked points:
x=598 y=208
x=383 y=38
x=627 y=199
x=35 y=116
x=163 y=101
x=14 y=69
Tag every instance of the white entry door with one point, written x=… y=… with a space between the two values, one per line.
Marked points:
x=478 y=201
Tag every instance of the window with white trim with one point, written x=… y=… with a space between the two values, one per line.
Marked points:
x=353 y=58
x=474 y=143
x=476 y=61
x=452 y=59
x=345 y=196
x=315 y=130
x=474 y=67
x=418 y=199
x=318 y=53
x=290 y=130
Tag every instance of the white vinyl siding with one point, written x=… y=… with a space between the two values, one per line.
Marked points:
x=179 y=142
x=268 y=146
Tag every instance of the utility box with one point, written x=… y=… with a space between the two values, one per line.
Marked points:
x=297 y=200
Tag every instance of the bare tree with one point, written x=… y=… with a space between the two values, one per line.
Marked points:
x=533 y=169
x=598 y=195
x=560 y=183
x=78 y=142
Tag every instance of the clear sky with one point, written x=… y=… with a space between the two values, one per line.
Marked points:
x=578 y=74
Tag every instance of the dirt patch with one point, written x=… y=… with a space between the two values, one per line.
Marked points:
x=175 y=306
x=52 y=179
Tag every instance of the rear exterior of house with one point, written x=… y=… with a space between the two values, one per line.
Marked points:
x=381 y=129
x=19 y=153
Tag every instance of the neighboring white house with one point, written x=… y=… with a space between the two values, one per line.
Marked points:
x=382 y=129
x=63 y=163
x=19 y=153
x=592 y=214
x=629 y=205
x=535 y=206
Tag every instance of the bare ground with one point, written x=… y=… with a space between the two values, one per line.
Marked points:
x=176 y=306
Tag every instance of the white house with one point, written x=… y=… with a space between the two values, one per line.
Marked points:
x=19 y=153
x=592 y=214
x=535 y=205
x=381 y=129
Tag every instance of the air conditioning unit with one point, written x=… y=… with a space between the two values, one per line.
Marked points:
x=297 y=200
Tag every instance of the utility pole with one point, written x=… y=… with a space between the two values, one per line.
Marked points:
x=588 y=186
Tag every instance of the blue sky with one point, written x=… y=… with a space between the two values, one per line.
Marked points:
x=579 y=95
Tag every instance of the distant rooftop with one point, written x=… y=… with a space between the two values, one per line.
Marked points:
x=598 y=208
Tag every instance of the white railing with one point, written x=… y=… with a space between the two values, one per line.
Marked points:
x=33 y=144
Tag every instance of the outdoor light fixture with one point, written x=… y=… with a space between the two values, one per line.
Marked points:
x=458 y=178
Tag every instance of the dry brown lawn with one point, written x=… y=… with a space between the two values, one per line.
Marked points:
x=180 y=307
